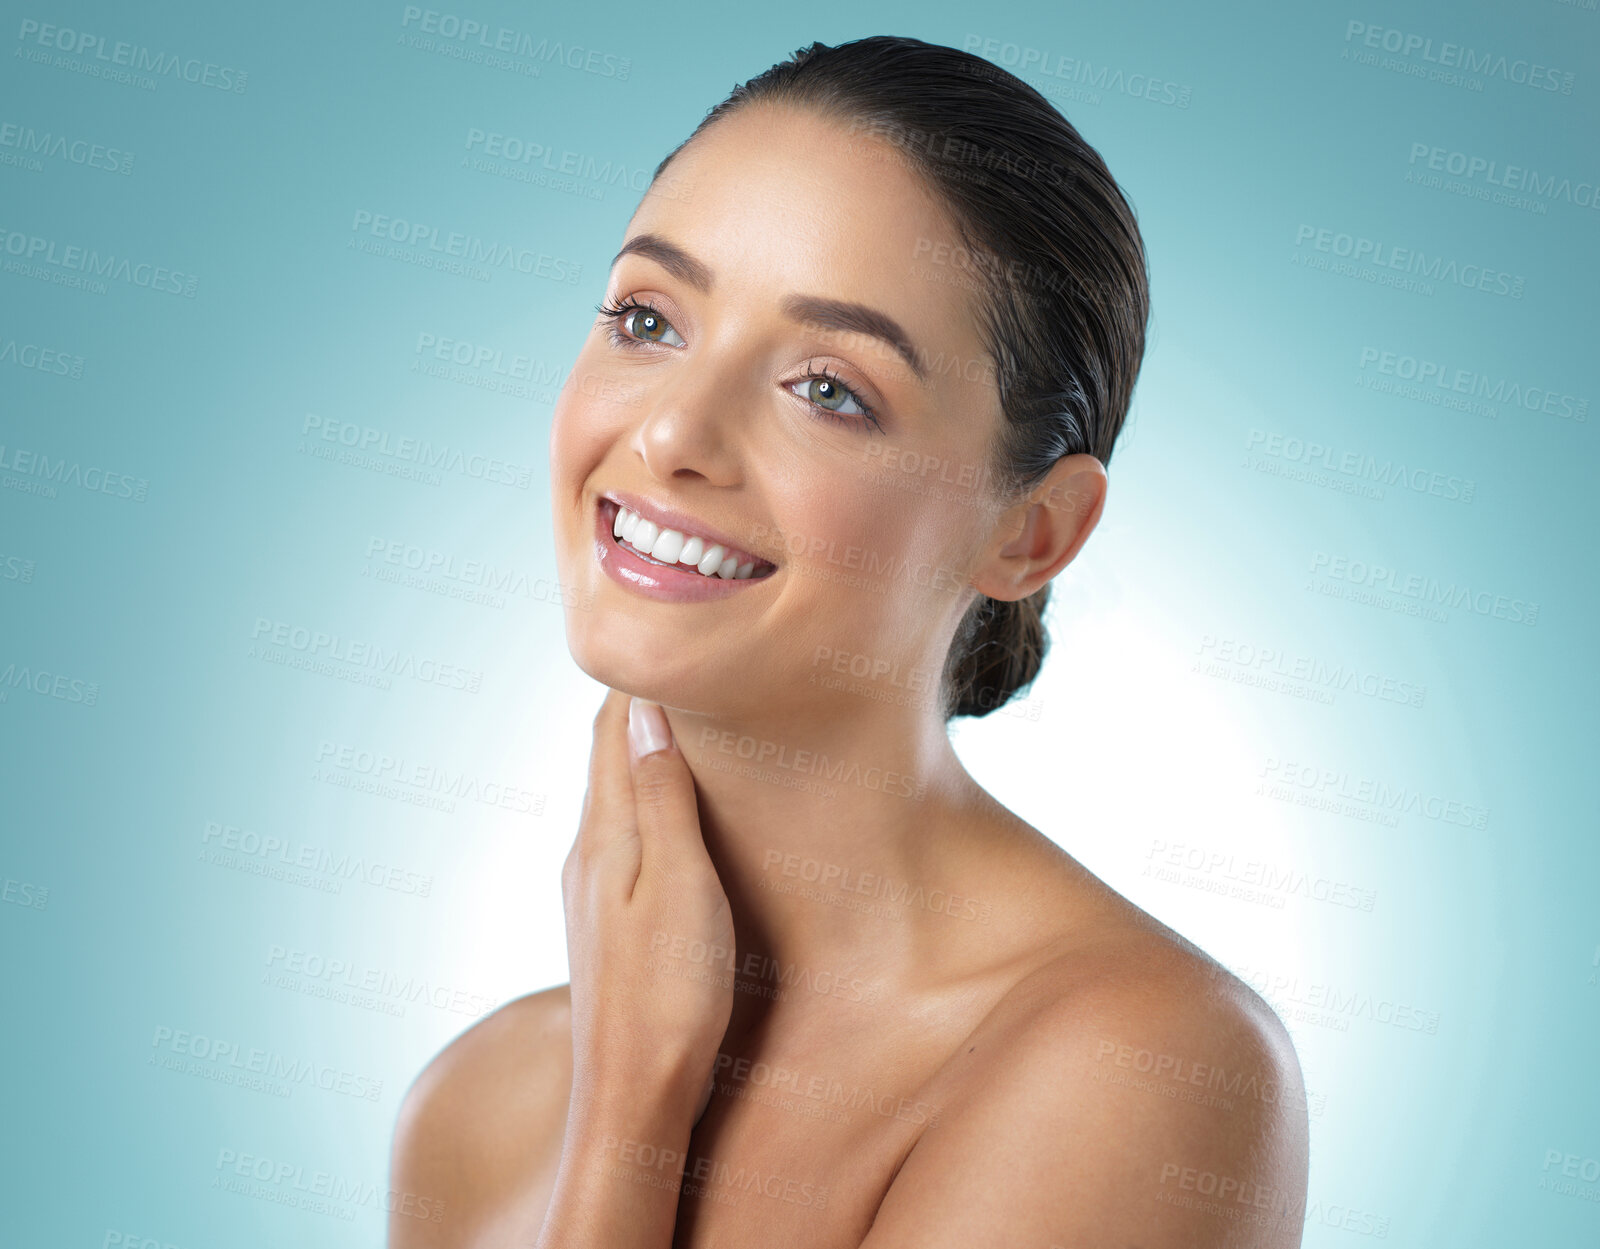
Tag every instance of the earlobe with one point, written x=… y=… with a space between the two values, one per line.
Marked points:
x=1046 y=529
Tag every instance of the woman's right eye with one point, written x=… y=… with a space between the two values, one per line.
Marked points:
x=641 y=323
x=652 y=327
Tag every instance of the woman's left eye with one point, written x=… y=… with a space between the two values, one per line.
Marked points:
x=834 y=397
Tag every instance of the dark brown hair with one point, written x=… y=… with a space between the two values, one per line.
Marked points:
x=1049 y=240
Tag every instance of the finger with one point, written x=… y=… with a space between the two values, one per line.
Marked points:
x=608 y=802
x=665 y=809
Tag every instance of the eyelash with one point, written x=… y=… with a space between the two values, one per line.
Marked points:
x=614 y=311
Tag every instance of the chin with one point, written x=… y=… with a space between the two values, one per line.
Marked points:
x=630 y=672
x=694 y=688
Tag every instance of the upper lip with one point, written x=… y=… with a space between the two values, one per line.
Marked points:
x=666 y=517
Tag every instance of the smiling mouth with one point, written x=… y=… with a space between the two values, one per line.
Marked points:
x=678 y=551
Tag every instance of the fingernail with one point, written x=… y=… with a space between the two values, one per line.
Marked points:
x=647 y=727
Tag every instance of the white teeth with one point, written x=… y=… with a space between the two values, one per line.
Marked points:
x=672 y=547
x=668 y=546
x=710 y=561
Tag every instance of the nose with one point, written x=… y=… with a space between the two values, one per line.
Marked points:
x=689 y=426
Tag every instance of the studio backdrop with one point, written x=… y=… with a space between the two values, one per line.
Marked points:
x=292 y=744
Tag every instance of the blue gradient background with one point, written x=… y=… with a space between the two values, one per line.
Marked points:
x=1143 y=748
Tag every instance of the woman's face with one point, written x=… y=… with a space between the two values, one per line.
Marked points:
x=743 y=410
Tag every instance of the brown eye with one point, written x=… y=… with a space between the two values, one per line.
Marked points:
x=650 y=326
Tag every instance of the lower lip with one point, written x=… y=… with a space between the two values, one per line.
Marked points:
x=657 y=581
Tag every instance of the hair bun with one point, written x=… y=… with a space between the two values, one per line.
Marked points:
x=997 y=652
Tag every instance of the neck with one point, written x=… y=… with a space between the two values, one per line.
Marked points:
x=844 y=843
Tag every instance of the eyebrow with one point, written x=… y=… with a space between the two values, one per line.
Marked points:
x=829 y=314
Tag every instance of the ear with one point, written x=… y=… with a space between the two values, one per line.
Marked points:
x=1040 y=534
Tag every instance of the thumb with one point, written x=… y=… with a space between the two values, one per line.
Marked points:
x=663 y=787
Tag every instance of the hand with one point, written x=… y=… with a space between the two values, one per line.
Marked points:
x=650 y=939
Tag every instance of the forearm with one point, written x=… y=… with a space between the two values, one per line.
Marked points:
x=622 y=1161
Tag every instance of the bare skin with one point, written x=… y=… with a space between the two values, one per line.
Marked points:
x=924 y=1023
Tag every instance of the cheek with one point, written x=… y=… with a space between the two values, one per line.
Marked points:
x=582 y=425
x=826 y=520
x=876 y=568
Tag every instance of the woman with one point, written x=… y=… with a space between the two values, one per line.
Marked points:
x=845 y=413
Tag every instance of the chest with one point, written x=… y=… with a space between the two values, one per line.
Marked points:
x=799 y=1145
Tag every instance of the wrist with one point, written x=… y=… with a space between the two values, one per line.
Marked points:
x=623 y=1157
x=659 y=1090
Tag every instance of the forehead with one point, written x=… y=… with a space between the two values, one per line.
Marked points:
x=776 y=199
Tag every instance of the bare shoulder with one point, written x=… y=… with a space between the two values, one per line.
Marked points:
x=1128 y=1090
x=1151 y=1004
x=479 y=1131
